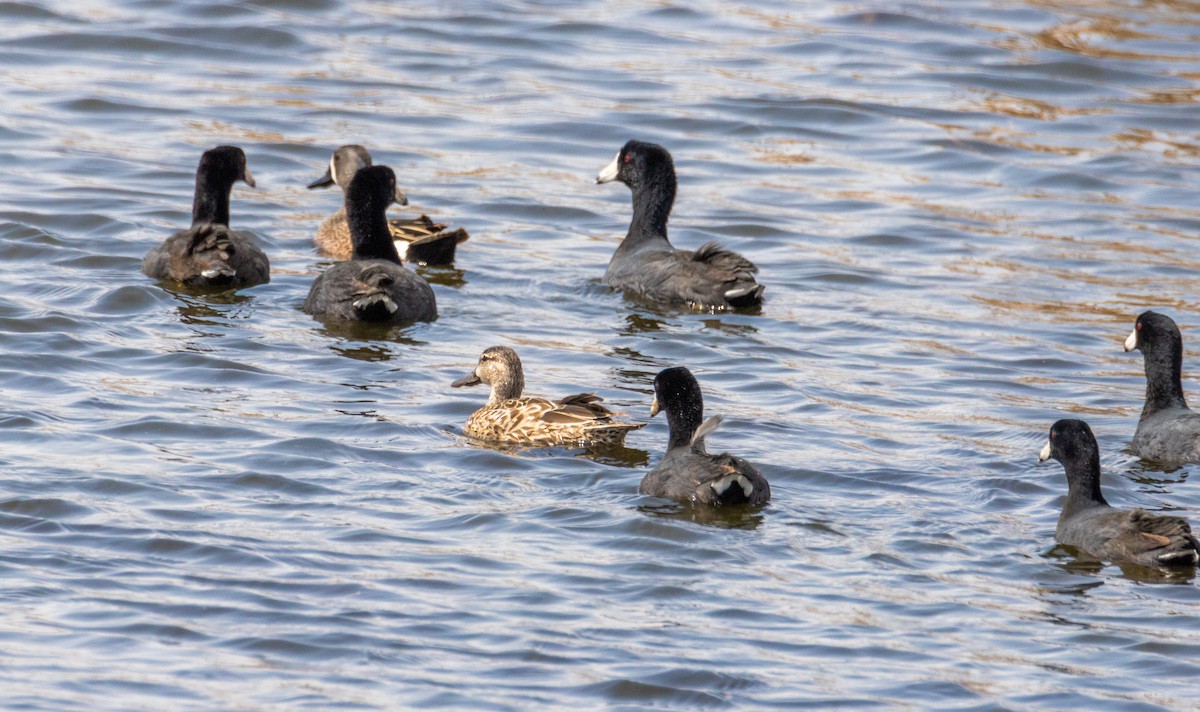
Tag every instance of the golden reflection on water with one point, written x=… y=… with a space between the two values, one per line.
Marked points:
x=1164 y=142
x=958 y=369
x=1029 y=108
x=782 y=157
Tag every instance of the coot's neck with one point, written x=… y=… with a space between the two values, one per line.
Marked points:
x=683 y=417
x=369 y=234
x=1164 y=385
x=652 y=202
x=1083 y=484
x=211 y=203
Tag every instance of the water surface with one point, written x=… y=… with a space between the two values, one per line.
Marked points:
x=213 y=502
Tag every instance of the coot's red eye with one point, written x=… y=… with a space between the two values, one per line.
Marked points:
x=628 y=158
x=1138 y=326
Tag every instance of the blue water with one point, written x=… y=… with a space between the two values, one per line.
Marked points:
x=214 y=502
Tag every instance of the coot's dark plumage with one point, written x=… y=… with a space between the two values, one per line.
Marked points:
x=418 y=240
x=647 y=265
x=209 y=254
x=687 y=472
x=372 y=286
x=1090 y=525
x=1168 y=431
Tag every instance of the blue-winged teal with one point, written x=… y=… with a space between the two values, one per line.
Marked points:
x=419 y=240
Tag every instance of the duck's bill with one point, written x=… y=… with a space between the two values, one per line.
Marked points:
x=654 y=407
x=1045 y=453
x=323 y=182
x=401 y=198
x=468 y=380
x=609 y=173
x=248 y=178
x=1131 y=341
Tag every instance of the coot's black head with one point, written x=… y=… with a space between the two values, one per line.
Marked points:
x=373 y=188
x=676 y=388
x=223 y=166
x=677 y=392
x=1153 y=333
x=1072 y=443
x=637 y=163
x=1158 y=338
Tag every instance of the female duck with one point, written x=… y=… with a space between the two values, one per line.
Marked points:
x=1168 y=431
x=417 y=240
x=372 y=286
x=687 y=472
x=507 y=417
x=645 y=264
x=1090 y=525
x=209 y=254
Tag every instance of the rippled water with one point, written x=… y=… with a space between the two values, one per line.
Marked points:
x=213 y=502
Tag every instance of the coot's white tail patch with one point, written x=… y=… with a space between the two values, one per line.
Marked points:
x=721 y=485
x=214 y=272
x=375 y=301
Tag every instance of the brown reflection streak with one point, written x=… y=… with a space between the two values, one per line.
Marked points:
x=1143 y=139
x=1170 y=96
x=1007 y=137
x=1069 y=312
x=968 y=217
x=767 y=155
x=1081 y=36
x=778 y=22
x=221 y=128
x=1028 y=108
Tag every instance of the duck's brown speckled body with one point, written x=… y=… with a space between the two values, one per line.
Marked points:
x=418 y=240
x=575 y=420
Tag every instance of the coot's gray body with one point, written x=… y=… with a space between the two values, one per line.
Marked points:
x=687 y=472
x=209 y=253
x=647 y=266
x=1090 y=525
x=1168 y=431
x=372 y=286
